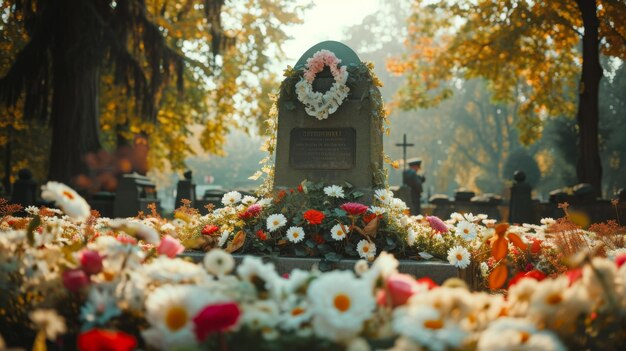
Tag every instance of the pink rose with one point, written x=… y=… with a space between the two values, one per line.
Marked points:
x=401 y=287
x=75 y=279
x=91 y=261
x=170 y=247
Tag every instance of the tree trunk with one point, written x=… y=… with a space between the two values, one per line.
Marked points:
x=74 y=114
x=589 y=168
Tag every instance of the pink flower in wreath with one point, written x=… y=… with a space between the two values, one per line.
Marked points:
x=437 y=224
x=354 y=208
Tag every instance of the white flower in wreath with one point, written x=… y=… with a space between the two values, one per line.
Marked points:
x=315 y=103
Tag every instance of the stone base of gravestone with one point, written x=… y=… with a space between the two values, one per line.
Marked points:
x=437 y=271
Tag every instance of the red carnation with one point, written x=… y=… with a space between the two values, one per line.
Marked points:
x=210 y=229
x=314 y=216
x=261 y=235
x=105 y=340
x=353 y=208
x=91 y=261
x=215 y=318
x=254 y=209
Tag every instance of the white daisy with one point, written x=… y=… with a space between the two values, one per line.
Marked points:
x=296 y=314
x=262 y=315
x=100 y=307
x=398 y=204
x=170 y=310
x=517 y=334
x=361 y=266
x=276 y=221
x=341 y=303
x=295 y=234
x=426 y=325
x=383 y=195
x=262 y=276
x=65 y=197
x=547 y=221
x=377 y=210
x=337 y=232
x=459 y=257
x=218 y=262
x=466 y=230
x=248 y=200
x=32 y=210
x=334 y=191
x=165 y=270
x=366 y=249
x=265 y=201
x=231 y=198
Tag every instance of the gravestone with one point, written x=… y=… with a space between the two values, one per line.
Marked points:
x=24 y=189
x=134 y=193
x=345 y=147
x=185 y=189
x=520 y=206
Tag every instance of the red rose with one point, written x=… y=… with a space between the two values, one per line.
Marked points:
x=261 y=235
x=215 y=318
x=105 y=340
x=91 y=261
x=533 y=274
x=314 y=216
x=353 y=208
x=209 y=229
x=401 y=287
x=75 y=279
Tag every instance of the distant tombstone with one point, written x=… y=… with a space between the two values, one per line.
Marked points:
x=520 y=206
x=185 y=189
x=345 y=147
x=621 y=195
x=584 y=193
x=134 y=193
x=464 y=195
x=24 y=189
x=443 y=205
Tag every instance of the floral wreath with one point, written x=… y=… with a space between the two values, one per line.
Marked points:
x=315 y=103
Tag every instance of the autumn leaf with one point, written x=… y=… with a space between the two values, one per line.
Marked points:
x=499 y=248
x=501 y=229
x=517 y=241
x=371 y=229
x=497 y=277
x=237 y=242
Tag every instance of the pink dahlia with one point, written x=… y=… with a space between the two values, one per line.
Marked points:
x=437 y=224
x=353 y=208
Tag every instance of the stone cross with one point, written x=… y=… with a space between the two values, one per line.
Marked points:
x=404 y=145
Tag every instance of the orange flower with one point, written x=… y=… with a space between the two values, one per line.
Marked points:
x=314 y=217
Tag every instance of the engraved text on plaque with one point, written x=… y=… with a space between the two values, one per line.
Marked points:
x=322 y=148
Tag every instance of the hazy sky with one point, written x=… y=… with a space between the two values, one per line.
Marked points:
x=325 y=21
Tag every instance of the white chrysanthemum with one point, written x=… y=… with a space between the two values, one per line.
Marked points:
x=295 y=234
x=265 y=201
x=547 y=221
x=32 y=210
x=459 y=257
x=411 y=236
x=231 y=198
x=248 y=200
x=170 y=311
x=218 y=262
x=466 y=230
x=426 y=325
x=261 y=275
x=341 y=304
x=65 y=197
x=517 y=334
x=165 y=270
x=377 y=210
x=334 y=191
x=383 y=195
x=366 y=249
x=337 y=232
x=276 y=221
x=223 y=238
x=398 y=204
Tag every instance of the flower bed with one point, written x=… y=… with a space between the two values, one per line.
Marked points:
x=86 y=282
